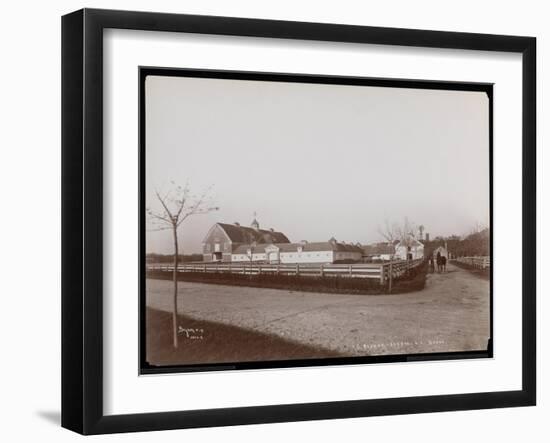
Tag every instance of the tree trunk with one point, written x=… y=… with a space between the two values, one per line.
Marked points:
x=175 y=280
x=390 y=281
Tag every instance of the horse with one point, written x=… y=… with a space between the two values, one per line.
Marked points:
x=439 y=262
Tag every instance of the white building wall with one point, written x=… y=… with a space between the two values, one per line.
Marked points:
x=300 y=257
x=307 y=257
x=416 y=251
x=246 y=257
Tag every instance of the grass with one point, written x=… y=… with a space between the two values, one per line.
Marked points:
x=414 y=280
x=207 y=342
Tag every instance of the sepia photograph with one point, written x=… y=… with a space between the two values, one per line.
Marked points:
x=294 y=220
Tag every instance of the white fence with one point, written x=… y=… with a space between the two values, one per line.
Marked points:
x=476 y=262
x=379 y=271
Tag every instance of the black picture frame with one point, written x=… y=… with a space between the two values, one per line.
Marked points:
x=82 y=220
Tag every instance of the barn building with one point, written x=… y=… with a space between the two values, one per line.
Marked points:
x=235 y=243
x=409 y=249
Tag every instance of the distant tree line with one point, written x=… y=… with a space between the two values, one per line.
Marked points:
x=473 y=244
x=169 y=258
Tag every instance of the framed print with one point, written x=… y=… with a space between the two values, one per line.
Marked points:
x=269 y=221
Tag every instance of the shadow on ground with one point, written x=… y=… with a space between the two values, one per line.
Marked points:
x=211 y=342
x=54 y=417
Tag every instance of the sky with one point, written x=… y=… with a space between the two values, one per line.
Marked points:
x=317 y=161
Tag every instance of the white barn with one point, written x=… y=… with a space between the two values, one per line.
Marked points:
x=235 y=243
x=303 y=252
x=409 y=249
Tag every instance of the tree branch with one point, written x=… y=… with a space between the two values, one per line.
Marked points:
x=165 y=228
x=164 y=205
x=152 y=214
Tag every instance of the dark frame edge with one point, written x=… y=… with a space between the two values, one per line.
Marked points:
x=308 y=411
x=529 y=220
x=72 y=221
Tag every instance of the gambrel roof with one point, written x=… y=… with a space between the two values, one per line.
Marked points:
x=244 y=234
x=412 y=242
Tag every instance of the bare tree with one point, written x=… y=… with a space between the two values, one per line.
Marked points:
x=477 y=227
x=175 y=207
x=393 y=232
x=403 y=232
x=388 y=231
x=250 y=254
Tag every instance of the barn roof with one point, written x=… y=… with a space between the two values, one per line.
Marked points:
x=345 y=247
x=410 y=242
x=244 y=234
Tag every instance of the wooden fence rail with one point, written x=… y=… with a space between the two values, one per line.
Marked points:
x=380 y=271
x=476 y=262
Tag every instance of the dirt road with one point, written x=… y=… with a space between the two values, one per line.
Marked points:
x=450 y=314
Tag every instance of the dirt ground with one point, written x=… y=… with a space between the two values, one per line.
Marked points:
x=204 y=342
x=450 y=314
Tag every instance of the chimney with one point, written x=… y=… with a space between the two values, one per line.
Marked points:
x=427 y=236
x=272 y=230
x=237 y=224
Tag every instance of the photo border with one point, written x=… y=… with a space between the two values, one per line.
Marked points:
x=82 y=220
x=144 y=71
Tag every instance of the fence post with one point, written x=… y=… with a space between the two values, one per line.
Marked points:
x=351 y=271
x=297 y=269
x=382 y=272
x=321 y=270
